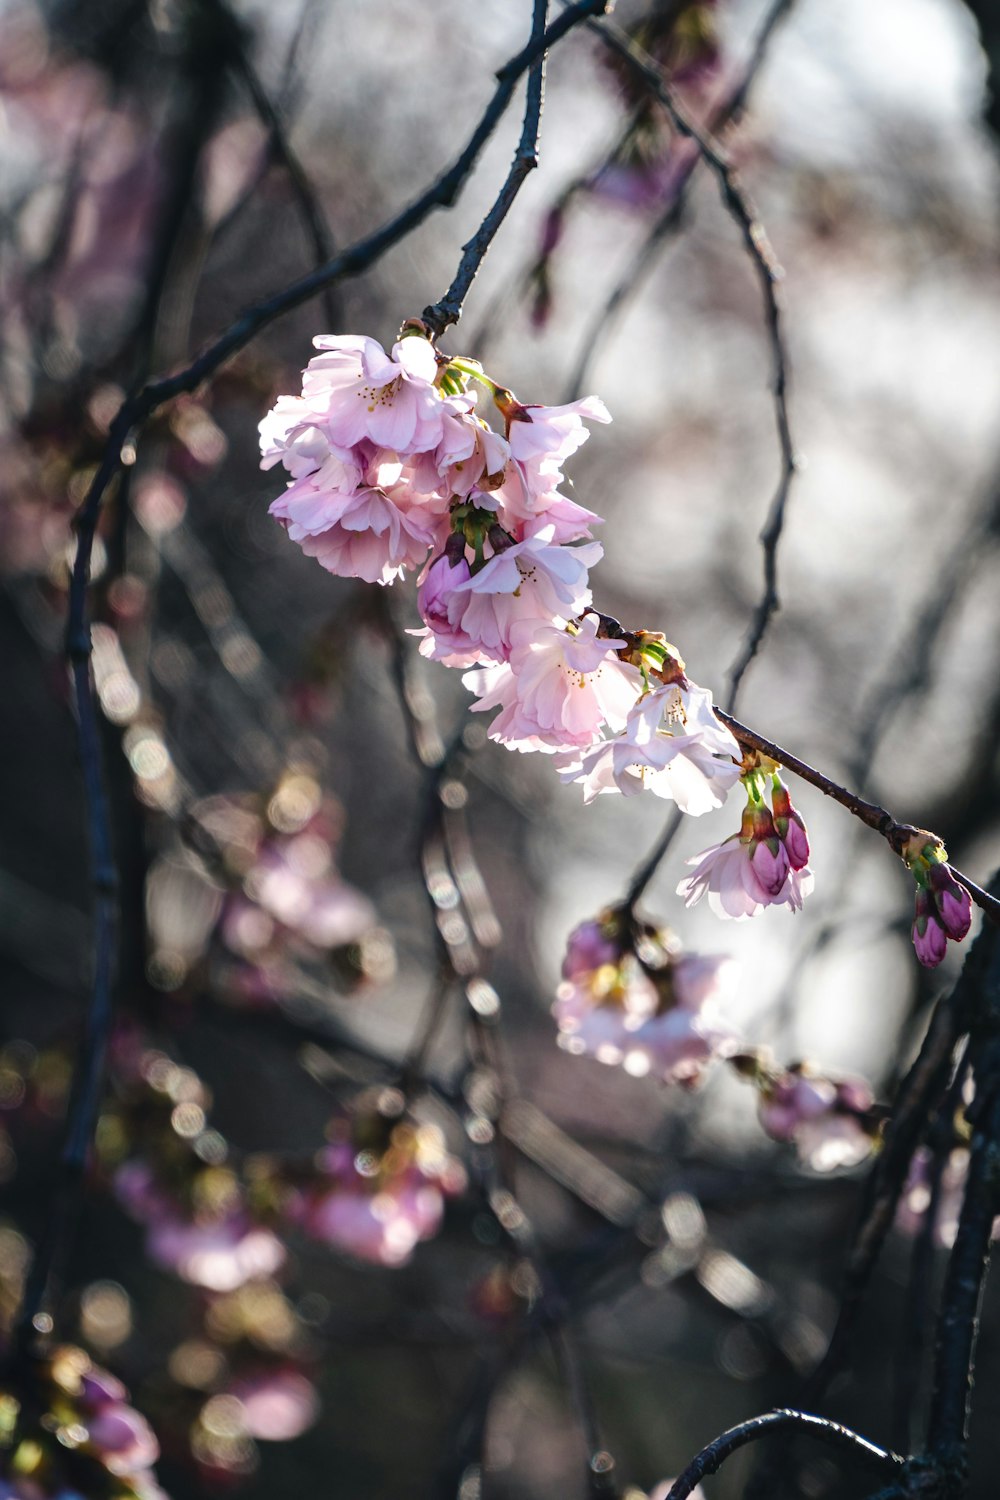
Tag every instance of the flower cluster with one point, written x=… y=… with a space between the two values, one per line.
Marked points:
x=245 y=1380
x=833 y=1123
x=943 y=907
x=257 y=886
x=169 y=1171
x=75 y=1434
x=393 y=470
x=629 y=996
x=379 y=1188
x=765 y=864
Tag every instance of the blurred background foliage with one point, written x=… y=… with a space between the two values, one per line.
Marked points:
x=276 y=941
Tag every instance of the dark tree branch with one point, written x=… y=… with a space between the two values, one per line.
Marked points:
x=968 y=1265
x=443 y=314
x=712 y=1457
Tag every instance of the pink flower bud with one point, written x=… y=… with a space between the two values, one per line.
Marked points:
x=587 y=949
x=790 y=828
x=929 y=937
x=954 y=905
x=767 y=853
x=439 y=584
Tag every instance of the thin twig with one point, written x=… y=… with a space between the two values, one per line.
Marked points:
x=650 y=865
x=441 y=315
x=712 y=1457
x=281 y=149
x=671 y=216
x=769 y=273
x=870 y=813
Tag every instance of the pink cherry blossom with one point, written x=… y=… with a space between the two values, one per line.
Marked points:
x=361 y=392
x=560 y=689
x=470 y=454
x=543 y=437
x=117 y=1435
x=379 y=1206
x=366 y=533
x=668 y=1023
x=827 y=1119
x=124 y=1439
x=672 y=745
x=219 y=1256
x=789 y=827
x=533 y=579
x=293 y=881
x=748 y=871
x=278 y=1404
x=441 y=641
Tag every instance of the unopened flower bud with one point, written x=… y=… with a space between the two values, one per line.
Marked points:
x=954 y=905
x=767 y=855
x=929 y=936
x=790 y=828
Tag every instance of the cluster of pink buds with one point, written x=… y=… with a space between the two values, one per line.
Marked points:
x=765 y=864
x=943 y=907
x=629 y=996
x=833 y=1123
x=75 y=1434
x=169 y=1171
x=379 y=1188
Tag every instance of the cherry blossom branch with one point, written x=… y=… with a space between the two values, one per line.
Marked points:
x=671 y=216
x=769 y=274
x=871 y=814
x=968 y=1265
x=441 y=315
x=918 y=1095
x=713 y=1456
x=913 y=1339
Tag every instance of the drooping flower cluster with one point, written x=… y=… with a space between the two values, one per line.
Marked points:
x=73 y=1432
x=629 y=996
x=765 y=864
x=392 y=470
x=245 y=1380
x=169 y=1171
x=943 y=907
x=832 y=1122
x=379 y=1188
x=256 y=890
